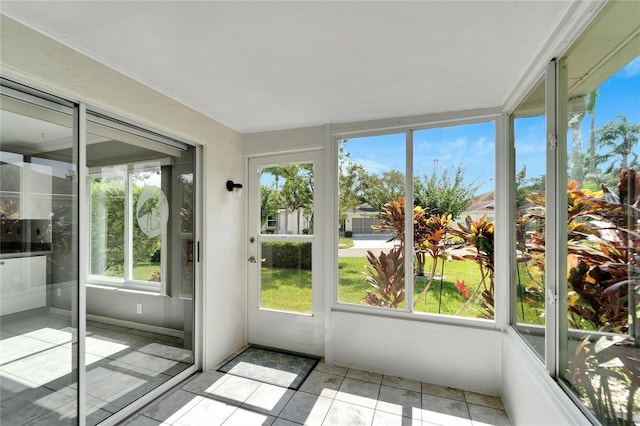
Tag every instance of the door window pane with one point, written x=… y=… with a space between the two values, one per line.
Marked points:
x=285 y=277
x=286 y=234
x=286 y=199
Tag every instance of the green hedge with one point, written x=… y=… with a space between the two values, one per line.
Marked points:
x=286 y=255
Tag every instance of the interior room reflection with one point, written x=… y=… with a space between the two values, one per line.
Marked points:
x=139 y=316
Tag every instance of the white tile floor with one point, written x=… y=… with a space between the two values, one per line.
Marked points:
x=37 y=379
x=331 y=395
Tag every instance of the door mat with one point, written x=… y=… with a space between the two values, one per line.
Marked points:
x=270 y=366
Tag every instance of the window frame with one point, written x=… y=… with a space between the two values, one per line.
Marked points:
x=126 y=283
x=409 y=126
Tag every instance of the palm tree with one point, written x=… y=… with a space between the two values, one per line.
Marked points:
x=621 y=138
x=592 y=98
x=577 y=168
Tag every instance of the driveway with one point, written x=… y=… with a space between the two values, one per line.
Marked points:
x=375 y=243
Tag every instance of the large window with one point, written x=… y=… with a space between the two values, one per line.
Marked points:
x=444 y=264
x=129 y=212
x=577 y=288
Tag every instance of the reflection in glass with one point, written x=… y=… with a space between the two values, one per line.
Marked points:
x=529 y=127
x=38 y=264
x=603 y=281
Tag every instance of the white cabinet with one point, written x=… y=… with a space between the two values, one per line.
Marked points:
x=22 y=284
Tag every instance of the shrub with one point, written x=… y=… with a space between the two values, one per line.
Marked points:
x=286 y=255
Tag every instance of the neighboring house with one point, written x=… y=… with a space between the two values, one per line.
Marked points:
x=360 y=220
x=483 y=204
x=286 y=222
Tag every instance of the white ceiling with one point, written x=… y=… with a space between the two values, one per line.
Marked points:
x=258 y=66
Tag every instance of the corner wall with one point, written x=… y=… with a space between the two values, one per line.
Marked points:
x=529 y=394
x=33 y=59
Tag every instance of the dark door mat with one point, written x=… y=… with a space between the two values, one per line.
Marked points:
x=270 y=366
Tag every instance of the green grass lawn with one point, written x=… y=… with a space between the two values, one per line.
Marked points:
x=290 y=290
x=141 y=271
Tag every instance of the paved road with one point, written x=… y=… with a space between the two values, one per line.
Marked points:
x=361 y=245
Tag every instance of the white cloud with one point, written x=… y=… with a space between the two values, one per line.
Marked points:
x=632 y=68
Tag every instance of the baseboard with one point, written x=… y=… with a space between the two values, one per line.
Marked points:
x=123 y=323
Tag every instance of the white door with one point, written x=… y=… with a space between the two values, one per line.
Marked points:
x=285 y=291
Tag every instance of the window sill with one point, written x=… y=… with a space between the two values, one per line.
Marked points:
x=125 y=288
x=412 y=316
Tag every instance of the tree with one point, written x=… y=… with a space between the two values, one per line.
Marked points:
x=269 y=203
x=379 y=190
x=619 y=138
x=592 y=98
x=444 y=193
x=577 y=164
x=297 y=190
x=349 y=183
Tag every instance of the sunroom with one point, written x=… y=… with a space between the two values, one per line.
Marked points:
x=439 y=191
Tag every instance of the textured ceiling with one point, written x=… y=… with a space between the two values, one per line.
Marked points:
x=258 y=66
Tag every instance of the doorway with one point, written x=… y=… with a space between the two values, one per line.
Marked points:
x=285 y=286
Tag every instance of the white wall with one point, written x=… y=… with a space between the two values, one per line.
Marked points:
x=529 y=394
x=460 y=357
x=31 y=58
x=256 y=144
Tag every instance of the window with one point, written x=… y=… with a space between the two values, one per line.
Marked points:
x=577 y=289
x=272 y=222
x=129 y=212
x=444 y=265
x=529 y=136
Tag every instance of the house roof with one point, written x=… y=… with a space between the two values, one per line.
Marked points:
x=258 y=66
x=482 y=202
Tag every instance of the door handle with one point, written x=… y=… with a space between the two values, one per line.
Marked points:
x=252 y=259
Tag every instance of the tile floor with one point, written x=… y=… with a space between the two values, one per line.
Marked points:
x=330 y=396
x=37 y=384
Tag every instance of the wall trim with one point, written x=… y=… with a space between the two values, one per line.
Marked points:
x=123 y=323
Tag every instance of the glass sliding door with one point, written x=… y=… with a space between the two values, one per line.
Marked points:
x=140 y=267
x=38 y=261
x=85 y=335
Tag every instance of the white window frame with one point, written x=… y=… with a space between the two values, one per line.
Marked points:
x=409 y=126
x=128 y=283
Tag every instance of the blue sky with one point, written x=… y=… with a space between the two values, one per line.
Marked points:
x=472 y=146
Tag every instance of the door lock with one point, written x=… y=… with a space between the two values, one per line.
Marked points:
x=252 y=259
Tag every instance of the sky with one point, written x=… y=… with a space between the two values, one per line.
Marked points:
x=473 y=146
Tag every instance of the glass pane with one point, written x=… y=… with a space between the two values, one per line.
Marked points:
x=286 y=199
x=139 y=338
x=38 y=266
x=108 y=222
x=150 y=215
x=285 y=278
x=529 y=127
x=185 y=235
x=453 y=220
x=371 y=215
x=602 y=340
